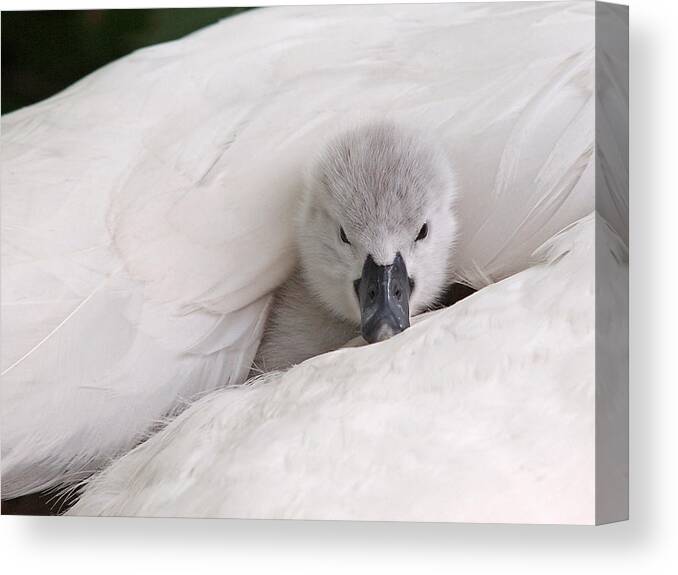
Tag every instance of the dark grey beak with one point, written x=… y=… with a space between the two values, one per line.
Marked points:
x=384 y=296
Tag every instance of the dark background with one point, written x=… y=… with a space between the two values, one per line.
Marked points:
x=43 y=52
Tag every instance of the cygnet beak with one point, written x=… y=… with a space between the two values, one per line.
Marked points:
x=384 y=296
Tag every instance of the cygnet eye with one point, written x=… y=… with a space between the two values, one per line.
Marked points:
x=423 y=232
x=342 y=235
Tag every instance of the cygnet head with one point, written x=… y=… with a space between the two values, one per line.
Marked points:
x=377 y=228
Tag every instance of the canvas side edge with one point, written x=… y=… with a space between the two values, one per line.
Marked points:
x=611 y=276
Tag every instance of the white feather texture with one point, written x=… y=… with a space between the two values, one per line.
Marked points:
x=147 y=210
x=427 y=426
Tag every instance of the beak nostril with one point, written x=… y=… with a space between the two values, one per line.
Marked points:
x=372 y=294
x=397 y=293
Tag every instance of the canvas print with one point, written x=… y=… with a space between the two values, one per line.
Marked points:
x=362 y=262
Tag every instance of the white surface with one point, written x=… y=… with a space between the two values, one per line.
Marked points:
x=147 y=209
x=427 y=426
x=645 y=543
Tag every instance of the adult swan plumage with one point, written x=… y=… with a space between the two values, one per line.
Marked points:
x=148 y=210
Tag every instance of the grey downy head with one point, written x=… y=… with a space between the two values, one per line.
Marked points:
x=377 y=227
